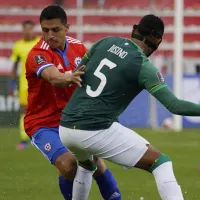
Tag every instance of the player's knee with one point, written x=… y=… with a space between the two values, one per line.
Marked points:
x=66 y=165
x=159 y=161
x=88 y=164
x=68 y=170
x=101 y=167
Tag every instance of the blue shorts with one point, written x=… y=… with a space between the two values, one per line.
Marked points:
x=47 y=140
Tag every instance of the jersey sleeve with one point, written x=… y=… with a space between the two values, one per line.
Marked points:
x=175 y=105
x=150 y=77
x=15 y=55
x=38 y=60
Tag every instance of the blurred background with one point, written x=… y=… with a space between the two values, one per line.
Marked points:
x=91 y=20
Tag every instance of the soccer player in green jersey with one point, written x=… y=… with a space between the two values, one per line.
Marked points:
x=117 y=70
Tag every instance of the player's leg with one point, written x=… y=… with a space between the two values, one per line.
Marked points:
x=106 y=182
x=160 y=165
x=47 y=140
x=124 y=147
x=67 y=166
x=83 y=179
x=127 y=148
x=103 y=177
x=24 y=139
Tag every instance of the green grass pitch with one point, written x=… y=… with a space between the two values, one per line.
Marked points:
x=27 y=175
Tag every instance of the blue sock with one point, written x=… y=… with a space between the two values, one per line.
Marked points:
x=108 y=186
x=66 y=187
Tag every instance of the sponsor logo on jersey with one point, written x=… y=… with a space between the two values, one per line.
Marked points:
x=47 y=146
x=160 y=77
x=39 y=59
x=77 y=61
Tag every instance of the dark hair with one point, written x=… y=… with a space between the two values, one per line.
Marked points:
x=28 y=22
x=151 y=25
x=54 y=12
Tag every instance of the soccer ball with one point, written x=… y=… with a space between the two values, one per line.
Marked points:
x=167 y=123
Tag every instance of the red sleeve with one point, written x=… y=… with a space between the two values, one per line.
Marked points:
x=38 y=60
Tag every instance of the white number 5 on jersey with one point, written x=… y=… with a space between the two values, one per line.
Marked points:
x=101 y=76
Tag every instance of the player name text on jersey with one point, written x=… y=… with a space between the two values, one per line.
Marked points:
x=118 y=51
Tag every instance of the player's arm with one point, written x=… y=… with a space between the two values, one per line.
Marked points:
x=57 y=79
x=151 y=79
x=175 y=105
x=15 y=61
x=14 y=69
x=41 y=63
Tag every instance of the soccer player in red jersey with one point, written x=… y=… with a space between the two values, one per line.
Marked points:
x=51 y=81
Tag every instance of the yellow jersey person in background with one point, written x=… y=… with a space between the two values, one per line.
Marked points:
x=19 y=54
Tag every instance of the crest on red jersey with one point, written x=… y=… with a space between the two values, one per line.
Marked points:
x=39 y=59
x=77 y=61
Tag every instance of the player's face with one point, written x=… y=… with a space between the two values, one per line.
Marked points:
x=54 y=33
x=28 y=31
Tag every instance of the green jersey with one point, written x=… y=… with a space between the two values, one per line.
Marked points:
x=116 y=72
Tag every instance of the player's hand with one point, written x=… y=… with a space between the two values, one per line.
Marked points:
x=76 y=76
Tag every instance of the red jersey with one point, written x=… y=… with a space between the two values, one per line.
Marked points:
x=45 y=102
